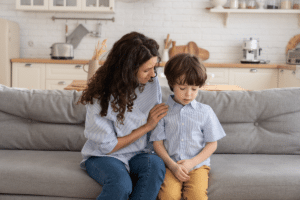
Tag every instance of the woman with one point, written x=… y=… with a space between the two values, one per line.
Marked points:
x=122 y=101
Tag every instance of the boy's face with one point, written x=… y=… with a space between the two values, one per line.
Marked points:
x=184 y=94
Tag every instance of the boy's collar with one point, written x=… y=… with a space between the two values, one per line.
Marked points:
x=171 y=102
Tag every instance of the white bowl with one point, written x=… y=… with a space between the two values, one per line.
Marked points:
x=218 y=4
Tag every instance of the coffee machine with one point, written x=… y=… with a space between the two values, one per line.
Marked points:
x=251 y=51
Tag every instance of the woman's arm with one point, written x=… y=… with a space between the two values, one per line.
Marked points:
x=206 y=152
x=155 y=114
x=178 y=170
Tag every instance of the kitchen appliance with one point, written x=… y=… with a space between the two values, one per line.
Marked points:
x=251 y=50
x=293 y=56
x=62 y=51
x=9 y=48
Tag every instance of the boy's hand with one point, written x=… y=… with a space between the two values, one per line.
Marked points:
x=180 y=172
x=188 y=164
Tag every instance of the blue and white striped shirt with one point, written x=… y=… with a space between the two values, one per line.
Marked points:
x=102 y=132
x=186 y=129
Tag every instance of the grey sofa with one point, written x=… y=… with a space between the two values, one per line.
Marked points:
x=41 y=135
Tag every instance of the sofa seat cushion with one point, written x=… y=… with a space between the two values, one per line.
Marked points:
x=259 y=176
x=48 y=173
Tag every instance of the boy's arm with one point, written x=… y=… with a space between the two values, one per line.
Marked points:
x=206 y=152
x=178 y=170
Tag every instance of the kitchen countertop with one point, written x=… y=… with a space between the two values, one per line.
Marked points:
x=219 y=65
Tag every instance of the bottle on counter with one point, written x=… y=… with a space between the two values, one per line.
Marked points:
x=251 y=4
x=243 y=4
x=234 y=4
x=272 y=4
x=286 y=4
x=296 y=4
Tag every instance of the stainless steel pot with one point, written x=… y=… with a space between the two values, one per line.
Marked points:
x=62 y=51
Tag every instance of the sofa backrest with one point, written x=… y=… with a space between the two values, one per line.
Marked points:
x=41 y=119
x=255 y=122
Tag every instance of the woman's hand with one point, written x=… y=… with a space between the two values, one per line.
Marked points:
x=156 y=114
x=180 y=172
x=188 y=164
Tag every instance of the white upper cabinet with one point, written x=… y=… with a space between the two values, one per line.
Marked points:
x=32 y=4
x=98 y=5
x=106 y=6
x=65 y=5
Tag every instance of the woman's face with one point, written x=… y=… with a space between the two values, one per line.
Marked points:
x=146 y=70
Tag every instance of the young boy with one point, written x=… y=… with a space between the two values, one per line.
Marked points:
x=187 y=136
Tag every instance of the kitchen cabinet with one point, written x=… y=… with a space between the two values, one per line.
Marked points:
x=221 y=76
x=64 y=5
x=28 y=75
x=32 y=5
x=98 y=5
x=46 y=76
x=105 y=6
x=253 y=78
x=287 y=78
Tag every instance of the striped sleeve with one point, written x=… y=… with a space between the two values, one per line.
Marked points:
x=159 y=132
x=212 y=129
x=100 y=130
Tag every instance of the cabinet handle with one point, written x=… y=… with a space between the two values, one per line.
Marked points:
x=28 y=65
x=62 y=83
x=294 y=72
x=282 y=71
x=78 y=66
x=253 y=70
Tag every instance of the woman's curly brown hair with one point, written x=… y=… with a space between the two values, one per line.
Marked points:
x=117 y=80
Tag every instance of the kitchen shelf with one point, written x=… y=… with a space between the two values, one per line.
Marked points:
x=227 y=12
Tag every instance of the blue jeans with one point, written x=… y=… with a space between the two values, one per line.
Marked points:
x=147 y=173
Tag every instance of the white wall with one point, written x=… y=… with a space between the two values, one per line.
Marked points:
x=185 y=21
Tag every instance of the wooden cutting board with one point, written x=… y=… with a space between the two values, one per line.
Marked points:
x=191 y=48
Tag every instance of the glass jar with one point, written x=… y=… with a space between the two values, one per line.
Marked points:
x=286 y=4
x=243 y=4
x=251 y=4
x=296 y=4
x=272 y=4
x=234 y=4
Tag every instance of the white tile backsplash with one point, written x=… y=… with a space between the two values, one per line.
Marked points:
x=184 y=20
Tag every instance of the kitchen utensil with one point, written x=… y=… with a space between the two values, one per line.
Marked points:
x=234 y=4
x=286 y=4
x=272 y=4
x=66 y=27
x=261 y=4
x=76 y=36
x=218 y=4
x=242 y=4
x=191 y=48
x=296 y=4
x=62 y=51
x=93 y=66
x=251 y=4
x=251 y=50
x=293 y=56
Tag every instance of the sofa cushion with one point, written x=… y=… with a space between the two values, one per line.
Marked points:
x=241 y=176
x=52 y=106
x=49 y=173
x=263 y=121
x=41 y=119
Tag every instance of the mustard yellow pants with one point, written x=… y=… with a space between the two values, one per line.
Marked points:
x=195 y=188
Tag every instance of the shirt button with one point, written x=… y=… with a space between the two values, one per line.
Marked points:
x=181 y=139
x=182 y=124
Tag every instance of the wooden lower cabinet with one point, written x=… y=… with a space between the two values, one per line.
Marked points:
x=287 y=78
x=28 y=75
x=253 y=78
x=46 y=76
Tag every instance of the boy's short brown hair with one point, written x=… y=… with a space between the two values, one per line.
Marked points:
x=188 y=66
